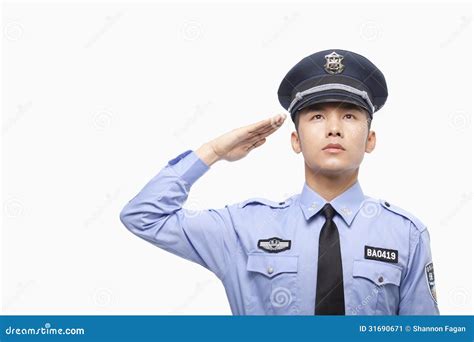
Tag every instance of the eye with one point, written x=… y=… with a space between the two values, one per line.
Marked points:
x=351 y=116
x=316 y=116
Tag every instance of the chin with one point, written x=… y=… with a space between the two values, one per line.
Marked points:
x=331 y=168
x=332 y=171
x=334 y=165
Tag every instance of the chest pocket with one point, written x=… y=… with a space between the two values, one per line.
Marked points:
x=376 y=287
x=274 y=281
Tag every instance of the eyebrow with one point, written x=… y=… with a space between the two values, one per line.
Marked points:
x=343 y=105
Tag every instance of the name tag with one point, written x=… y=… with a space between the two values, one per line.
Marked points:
x=381 y=254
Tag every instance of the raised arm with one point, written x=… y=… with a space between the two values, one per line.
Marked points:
x=206 y=237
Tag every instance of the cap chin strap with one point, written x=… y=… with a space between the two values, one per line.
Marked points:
x=331 y=86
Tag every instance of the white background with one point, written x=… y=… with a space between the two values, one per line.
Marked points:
x=98 y=98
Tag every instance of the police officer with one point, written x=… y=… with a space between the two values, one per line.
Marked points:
x=329 y=250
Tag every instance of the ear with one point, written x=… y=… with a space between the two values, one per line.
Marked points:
x=295 y=142
x=371 y=140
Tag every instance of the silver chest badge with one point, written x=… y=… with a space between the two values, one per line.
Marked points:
x=334 y=63
x=274 y=245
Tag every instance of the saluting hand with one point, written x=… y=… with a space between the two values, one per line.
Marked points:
x=236 y=144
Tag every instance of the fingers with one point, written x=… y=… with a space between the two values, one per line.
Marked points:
x=256 y=127
x=274 y=121
x=279 y=119
x=252 y=133
x=272 y=124
x=256 y=144
x=258 y=137
x=264 y=133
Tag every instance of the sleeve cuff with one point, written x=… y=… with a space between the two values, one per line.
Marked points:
x=188 y=166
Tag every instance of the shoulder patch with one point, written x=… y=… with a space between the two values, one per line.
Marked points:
x=399 y=211
x=430 y=279
x=264 y=201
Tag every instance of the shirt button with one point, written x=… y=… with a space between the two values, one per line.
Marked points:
x=270 y=270
x=387 y=204
x=380 y=279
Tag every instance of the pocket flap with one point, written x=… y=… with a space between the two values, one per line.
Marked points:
x=271 y=265
x=378 y=272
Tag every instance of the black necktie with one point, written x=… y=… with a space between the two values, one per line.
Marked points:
x=330 y=285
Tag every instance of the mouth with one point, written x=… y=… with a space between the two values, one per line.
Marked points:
x=334 y=148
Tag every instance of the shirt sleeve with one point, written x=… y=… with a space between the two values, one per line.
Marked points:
x=156 y=215
x=418 y=292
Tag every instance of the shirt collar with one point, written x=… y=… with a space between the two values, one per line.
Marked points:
x=346 y=204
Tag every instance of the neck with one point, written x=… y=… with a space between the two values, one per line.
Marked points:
x=329 y=186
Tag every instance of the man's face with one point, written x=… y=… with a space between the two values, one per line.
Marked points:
x=333 y=123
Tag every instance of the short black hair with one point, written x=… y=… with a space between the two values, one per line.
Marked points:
x=344 y=105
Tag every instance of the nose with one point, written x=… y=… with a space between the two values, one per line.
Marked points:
x=333 y=127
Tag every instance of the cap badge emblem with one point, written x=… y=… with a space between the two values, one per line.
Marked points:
x=334 y=63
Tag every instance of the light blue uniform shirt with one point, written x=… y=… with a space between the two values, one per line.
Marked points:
x=386 y=258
